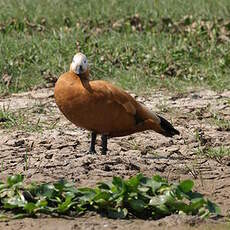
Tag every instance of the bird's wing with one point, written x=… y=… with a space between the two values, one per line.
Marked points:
x=113 y=93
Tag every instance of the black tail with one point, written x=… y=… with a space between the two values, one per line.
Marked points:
x=167 y=128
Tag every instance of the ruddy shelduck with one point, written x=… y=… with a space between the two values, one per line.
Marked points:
x=103 y=108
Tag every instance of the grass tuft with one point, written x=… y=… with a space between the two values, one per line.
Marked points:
x=18 y=120
x=215 y=153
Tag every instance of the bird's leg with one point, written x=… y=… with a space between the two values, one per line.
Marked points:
x=93 y=142
x=104 y=144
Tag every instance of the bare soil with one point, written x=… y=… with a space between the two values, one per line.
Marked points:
x=60 y=149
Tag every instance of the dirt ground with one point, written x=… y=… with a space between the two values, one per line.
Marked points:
x=59 y=150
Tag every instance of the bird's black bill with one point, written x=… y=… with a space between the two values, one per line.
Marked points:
x=168 y=129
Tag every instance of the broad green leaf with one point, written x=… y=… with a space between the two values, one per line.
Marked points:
x=102 y=195
x=2 y=186
x=101 y=204
x=164 y=210
x=137 y=204
x=143 y=189
x=79 y=208
x=158 y=178
x=60 y=185
x=186 y=186
x=119 y=200
x=87 y=194
x=197 y=203
x=58 y=199
x=30 y=207
x=71 y=193
x=133 y=194
x=158 y=200
x=203 y=213
x=149 y=182
x=164 y=188
x=133 y=182
x=28 y=196
x=181 y=206
x=71 y=189
x=213 y=208
x=63 y=207
x=6 y=192
x=166 y=198
x=118 y=182
x=63 y=185
x=3 y=217
x=86 y=190
x=20 y=216
x=13 y=202
x=12 y=180
x=41 y=203
x=117 y=213
x=46 y=190
x=193 y=195
x=105 y=185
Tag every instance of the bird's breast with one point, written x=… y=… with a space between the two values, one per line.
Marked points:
x=71 y=99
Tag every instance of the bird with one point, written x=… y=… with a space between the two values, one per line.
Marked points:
x=103 y=108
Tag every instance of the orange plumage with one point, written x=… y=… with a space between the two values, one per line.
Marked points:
x=101 y=107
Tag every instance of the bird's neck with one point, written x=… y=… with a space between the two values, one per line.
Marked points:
x=82 y=79
x=83 y=76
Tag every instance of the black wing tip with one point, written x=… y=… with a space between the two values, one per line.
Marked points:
x=168 y=129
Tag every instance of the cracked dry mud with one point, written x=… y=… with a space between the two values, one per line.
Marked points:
x=59 y=150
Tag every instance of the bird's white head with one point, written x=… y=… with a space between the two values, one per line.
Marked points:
x=79 y=64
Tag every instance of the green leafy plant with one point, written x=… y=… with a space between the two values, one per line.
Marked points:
x=138 y=196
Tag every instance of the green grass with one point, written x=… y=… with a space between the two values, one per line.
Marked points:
x=142 y=52
x=215 y=153
x=139 y=196
x=19 y=121
x=221 y=123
